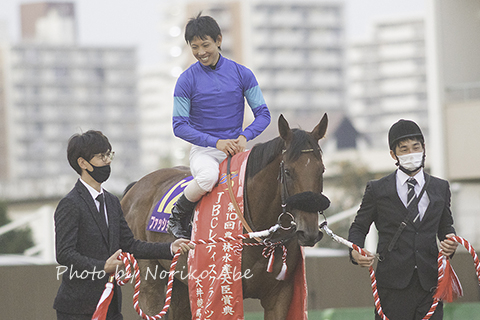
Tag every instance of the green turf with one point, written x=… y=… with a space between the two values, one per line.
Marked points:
x=452 y=311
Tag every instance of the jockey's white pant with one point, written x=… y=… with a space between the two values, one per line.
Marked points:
x=204 y=165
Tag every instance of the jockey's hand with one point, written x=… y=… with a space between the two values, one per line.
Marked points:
x=113 y=263
x=363 y=261
x=241 y=142
x=183 y=244
x=448 y=246
x=229 y=146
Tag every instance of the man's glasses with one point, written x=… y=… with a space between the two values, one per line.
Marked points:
x=106 y=156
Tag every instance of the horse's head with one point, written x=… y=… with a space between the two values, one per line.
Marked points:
x=301 y=178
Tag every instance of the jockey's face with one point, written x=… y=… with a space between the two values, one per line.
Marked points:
x=406 y=147
x=206 y=51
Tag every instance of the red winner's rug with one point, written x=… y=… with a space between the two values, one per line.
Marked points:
x=215 y=270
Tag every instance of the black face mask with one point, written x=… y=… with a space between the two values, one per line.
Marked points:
x=100 y=174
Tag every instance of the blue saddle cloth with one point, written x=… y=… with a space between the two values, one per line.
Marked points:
x=163 y=209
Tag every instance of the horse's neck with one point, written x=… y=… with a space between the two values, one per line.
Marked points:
x=264 y=199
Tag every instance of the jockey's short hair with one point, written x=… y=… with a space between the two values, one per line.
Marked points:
x=201 y=27
x=86 y=146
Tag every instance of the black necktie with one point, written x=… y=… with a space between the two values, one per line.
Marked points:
x=99 y=198
x=412 y=205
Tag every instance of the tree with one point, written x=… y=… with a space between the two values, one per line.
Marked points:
x=15 y=241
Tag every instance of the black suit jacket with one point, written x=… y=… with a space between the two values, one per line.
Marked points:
x=417 y=246
x=83 y=244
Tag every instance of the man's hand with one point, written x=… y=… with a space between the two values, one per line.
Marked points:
x=184 y=244
x=228 y=146
x=113 y=263
x=363 y=261
x=448 y=246
x=232 y=146
x=241 y=142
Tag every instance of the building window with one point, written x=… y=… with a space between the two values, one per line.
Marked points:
x=61 y=73
x=99 y=74
x=31 y=55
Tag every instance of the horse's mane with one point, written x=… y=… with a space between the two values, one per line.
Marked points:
x=127 y=188
x=264 y=153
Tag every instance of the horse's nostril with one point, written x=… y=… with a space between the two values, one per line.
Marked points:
x=319 y=236
x=305 y=240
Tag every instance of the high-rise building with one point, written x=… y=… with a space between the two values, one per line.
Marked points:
x=387 y=79
x=57 y=91
x=49 y=22
x=297 y=52
x=158 y=146
x=55 y=88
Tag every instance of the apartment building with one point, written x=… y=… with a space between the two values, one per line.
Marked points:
x=387 y=79
x=55 y=88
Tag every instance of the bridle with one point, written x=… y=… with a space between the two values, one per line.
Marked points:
x=287 y=225
x=284 y=195
x=270 y=244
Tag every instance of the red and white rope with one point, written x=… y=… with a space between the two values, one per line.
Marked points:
x=441 y=269
x=472 y=252
x=129 y=261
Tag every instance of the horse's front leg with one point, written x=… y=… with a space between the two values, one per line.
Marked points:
x=152 y=292
x=277 y=302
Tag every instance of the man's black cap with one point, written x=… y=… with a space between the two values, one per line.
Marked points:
x=403 y=129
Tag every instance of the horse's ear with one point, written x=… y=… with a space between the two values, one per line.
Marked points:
x=284 y=129
x=321 y=128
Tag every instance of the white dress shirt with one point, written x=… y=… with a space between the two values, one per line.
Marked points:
x=94 y=193
x=402 y=190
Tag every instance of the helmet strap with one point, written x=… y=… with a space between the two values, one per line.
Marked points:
x=409 y=172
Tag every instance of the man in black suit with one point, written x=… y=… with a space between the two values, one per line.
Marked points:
x=91 y=232
x=408 y=220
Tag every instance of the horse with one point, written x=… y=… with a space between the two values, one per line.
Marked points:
x=287 y=170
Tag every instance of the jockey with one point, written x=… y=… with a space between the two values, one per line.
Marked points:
x=208 y=112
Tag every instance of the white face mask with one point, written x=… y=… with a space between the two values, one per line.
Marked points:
x=411 y=161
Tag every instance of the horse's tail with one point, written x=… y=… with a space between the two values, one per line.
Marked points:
x=128 y=188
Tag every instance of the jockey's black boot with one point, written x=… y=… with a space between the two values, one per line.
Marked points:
x=179 y=222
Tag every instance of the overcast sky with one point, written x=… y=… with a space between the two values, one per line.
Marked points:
x=129 y=22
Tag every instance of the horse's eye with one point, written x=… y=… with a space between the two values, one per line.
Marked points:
x=287 y=173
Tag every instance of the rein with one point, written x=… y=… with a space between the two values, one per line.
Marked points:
x=269 y=250
x=234 y=201
x=283 y=194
